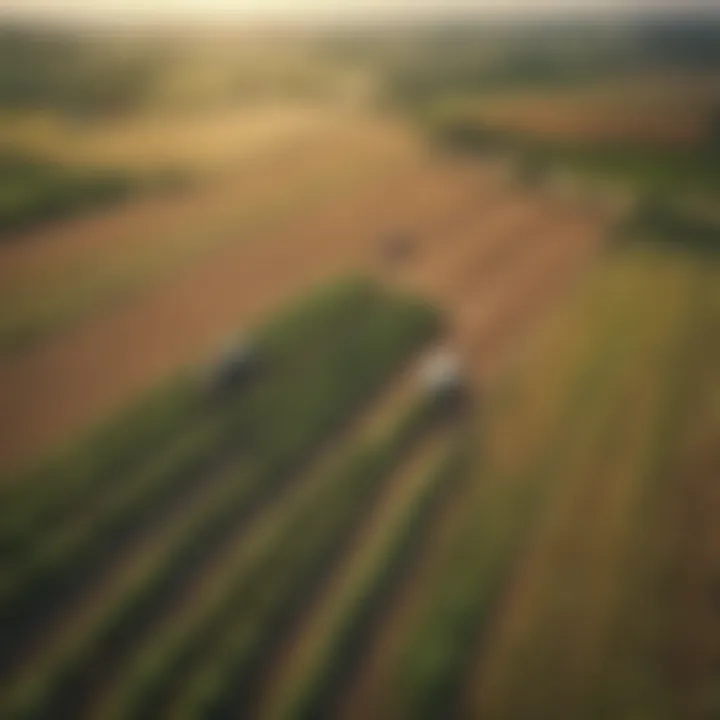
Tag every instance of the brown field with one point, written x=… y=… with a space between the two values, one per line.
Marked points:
x=153 y=223
x=655 y=109
x=486 y=253
x=201 y=140
x=580 y=554
x=86 y=263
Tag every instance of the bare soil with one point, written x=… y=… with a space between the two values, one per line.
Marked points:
x=492 y=257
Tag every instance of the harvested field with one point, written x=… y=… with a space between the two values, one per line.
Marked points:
x=205 y=141
x=326 y=542
x=85 y=264
x=554 y=584
x=55 y=388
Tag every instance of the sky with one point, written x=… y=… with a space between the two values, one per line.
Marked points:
x=110 y=10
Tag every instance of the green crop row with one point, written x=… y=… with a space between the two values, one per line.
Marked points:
x=325 y=685
x=305 y=394
x=35 y=191
x=467 y=593
x=229 y=639
x=656 y=220
x=109 y=469
x=95 y=466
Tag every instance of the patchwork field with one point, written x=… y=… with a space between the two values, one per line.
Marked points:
x=327 y=540
x=118 y=312
x=555 y=585
x=361 y=373
x=647 y=109
x=648 y=133
x=55 y=275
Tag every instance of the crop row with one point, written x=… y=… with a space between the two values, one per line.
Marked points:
x=494 y=572
x=227 y=631
x=314 y=382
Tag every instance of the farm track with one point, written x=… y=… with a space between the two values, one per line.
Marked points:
x=366 y=694
x=312 y=650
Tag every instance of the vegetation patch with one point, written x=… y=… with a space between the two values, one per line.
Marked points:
x=34 y=191
x=657 y=221
x=650 y=168
x=62 y=525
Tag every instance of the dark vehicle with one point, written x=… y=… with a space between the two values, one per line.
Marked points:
x=398 y=248
x=234 y=367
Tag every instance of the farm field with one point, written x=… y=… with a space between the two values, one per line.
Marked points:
x=360 y=375
x=160 y=571
x=61 y=382
x=210 y=142
x=648 y=108
x=283 y=419
x=87 y=263
x=650 y=133
x=327 y=542
x=557 y=583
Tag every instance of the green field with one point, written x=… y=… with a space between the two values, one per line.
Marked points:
x=278 y=551
x=219 y=462
x=549 y=593
x=32 y=191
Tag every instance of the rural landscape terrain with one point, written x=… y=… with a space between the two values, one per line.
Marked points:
x=366 y=373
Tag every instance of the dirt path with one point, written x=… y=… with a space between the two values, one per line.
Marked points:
x=306 y=655
x=367 y=695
